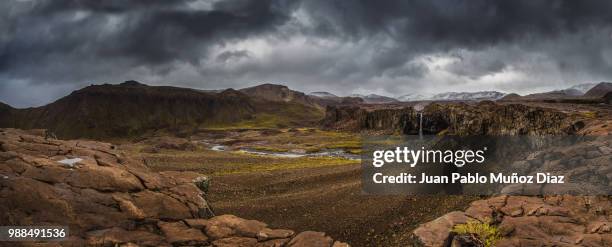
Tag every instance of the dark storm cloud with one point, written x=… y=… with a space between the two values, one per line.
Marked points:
x=462 y=23
x=49 y=47
x=426 y=26
x=145 y=34
x=227 y=55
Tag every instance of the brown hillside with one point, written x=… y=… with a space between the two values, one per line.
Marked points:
x=131 y=108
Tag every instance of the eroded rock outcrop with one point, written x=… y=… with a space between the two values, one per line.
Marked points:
x=484 y=118
x=584 y=164
x=109 y=199
x=562 y=220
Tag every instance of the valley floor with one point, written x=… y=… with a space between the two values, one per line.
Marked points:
x=328 y=199
x=273 y=175
x=322 y=193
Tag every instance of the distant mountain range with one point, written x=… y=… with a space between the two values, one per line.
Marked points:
x=375 y=98
x=413 y=97
x=132 y=108
x=483 y=95
x=587 y=90
x=453 y=96
x=581 y=90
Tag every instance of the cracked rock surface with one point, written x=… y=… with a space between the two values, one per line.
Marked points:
x=562 y=220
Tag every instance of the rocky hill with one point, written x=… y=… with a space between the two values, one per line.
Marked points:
x=325 y=99
x=599 y=90
x=557 y=94
x=324 y=95
x=583 y=88
x=278 y=93
x=107 y=198
x=132 y=108
x=485 y=118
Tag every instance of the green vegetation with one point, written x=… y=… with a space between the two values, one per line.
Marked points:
x=207 y=161
x=270 y=116
x=590 y=114
x=488 y=234
x=345 y=144
x=307 y=139
x=259 y=121
x=212 y=162
x=270 y=149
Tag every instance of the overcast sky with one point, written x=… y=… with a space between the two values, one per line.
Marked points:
x=50 y=48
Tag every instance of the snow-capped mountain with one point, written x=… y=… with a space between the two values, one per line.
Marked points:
x=583 y=88
x=573 y=91
x=413 y=97
x=323 y=95
x=482 y=95
x=375 y=98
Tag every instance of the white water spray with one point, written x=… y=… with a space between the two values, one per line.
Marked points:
x=420 y=125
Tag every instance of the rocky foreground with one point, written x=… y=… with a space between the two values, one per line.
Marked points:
x=529 y=221
x=557 y=219
x=109 y=199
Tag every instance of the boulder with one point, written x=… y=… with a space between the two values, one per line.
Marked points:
x=311 y=239
x=235 y=242
x=267 y=233
x=229 y=225
x=437 y=232
x=179 y=233
x=280 y=242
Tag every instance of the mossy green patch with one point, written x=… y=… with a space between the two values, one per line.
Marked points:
x=590 y=114
x=488 y=234
x=270 y=149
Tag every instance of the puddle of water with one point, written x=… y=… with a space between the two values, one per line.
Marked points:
x=338 y=153
x=70 y=162
x=326 y=153
x=218 y=148
x=275 y=154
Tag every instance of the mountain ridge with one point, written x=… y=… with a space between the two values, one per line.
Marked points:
x=132 y=108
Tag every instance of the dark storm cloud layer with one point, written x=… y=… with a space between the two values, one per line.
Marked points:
x=467 y=23
x=147 y=32
x=51 y=47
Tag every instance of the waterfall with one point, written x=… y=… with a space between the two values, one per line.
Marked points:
x=421 y=125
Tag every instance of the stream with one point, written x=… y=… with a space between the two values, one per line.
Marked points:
x=288 y=154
